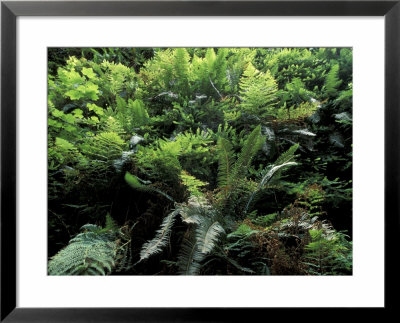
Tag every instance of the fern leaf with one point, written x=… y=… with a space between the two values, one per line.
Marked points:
x=193 y=219
x=283 y=161
x=287 y=156
x=253 y=143
x=332 y=81
x=196 y=209
x=193 y=184
x=207 y=234
x=156 y=245
x=90 y=227
x=89 y=253
x=225 y=153
x=304 y=132
x=134 y=182
x=258 y=92
x=337 y=140
x=272 y=171
x=236 y=264
x=190 y=216
x=139 y=112
x=190 y=258
x=110 y=223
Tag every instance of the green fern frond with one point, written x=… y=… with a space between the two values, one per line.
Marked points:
x=92 y=252
x=156 y=245
x=272 y=172
x=134 y=182
x=110 y=223
x=193 y=184
x=114 y=125
x=195 y=210
x=139 y=113
x=236 y=264
x=207 y=234
x=266 y=179
x=282 y=162
x=287 y=155
x=253 y=144
x=225 y=156
x=258 y=92
x=181 y=68
x=332 y=81
x=230 y=174
x=189 y=258
x=104 y=147
x=90 y=228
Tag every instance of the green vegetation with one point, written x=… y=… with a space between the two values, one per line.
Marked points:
x=200 y=161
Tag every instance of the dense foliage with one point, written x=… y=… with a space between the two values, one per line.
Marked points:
x=200 y=161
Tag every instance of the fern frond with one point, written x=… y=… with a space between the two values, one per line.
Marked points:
x=195 y=210
x=236 y=264
x=337 y=140
x=332 y=81
x=156 y=245
x=139 y=113
x=193 y=184
x=110 y=223
x=272 y=172
x=189 y=258
x=90 y=228
x=207 y=234
x=258 y=92
x=181 y=68
x=225 y=155
x=113 y=125
x=92 y=252
x=134 y=182
x=191 y=219
x=304 y=132
x=253 y=144
x=287 y=155
x=282 y=162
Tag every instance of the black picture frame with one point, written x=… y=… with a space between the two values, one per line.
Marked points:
x=10 y=10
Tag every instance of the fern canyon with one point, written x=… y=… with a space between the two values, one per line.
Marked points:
x=200 y=161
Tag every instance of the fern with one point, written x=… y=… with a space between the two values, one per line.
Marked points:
x=274 y=169
x=115 y=78
x=207 y=234
x=283 y=161
x=319 y=253
x=240 y=244
x=251 y=146
x=230 y=174
x=92 y=252
x=287 y=155
x=139 y=113
x=258 y=92
x=225 y=156
x=104 y=147
x=209 y=73
x=156 y=245
x=332 y=81
x=110 y=223
x=204 y=233
x=193 y=184
x=129 y=114
x=195 y=210
x=181 y=71
x=114 y=125
x=189 y=258
x=135 y=183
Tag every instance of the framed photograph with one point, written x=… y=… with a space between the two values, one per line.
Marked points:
x=197 y=160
